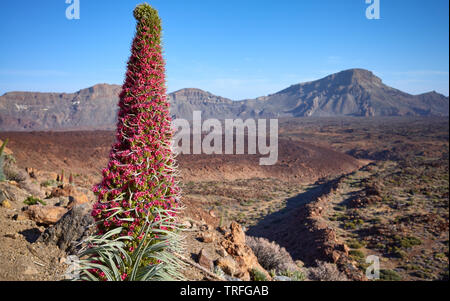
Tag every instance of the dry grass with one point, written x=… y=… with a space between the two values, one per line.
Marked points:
x=271 y=256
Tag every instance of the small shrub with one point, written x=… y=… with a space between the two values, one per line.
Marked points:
x=270 y=255
x=33 y=201
x=295 y=276
x=10 y=170
x=48 y=183
x=380 y=246
x=357 y=254
x=350 y=225
x=399 y=253
x=354 y=244
x=441 y=256
x=339 y=208
x=257 y=275
x=409 y=242
x=389 y=275
x=325 y=271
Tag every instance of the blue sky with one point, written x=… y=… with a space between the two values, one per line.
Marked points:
x=234 y=48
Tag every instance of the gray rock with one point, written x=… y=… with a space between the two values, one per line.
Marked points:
x=32 y=188
x=13 y=173
x=281 y=278
x=13 y=193
x=204 y=260
x=59 y=201
x=229 y=278
x=2 y=197
x=73 y=227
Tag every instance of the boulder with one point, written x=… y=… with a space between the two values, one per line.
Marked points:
x=74 y=226
x=32 y=188
x=227 y=264
x=19 y=217
x=76 y=199
x=3 y=196
x=204 y=260
x=206 y=237
x=221 y=251
x=5 y=204
x=31 y=172
x=60 y=202
x=46 y=215
x=66 y=190
x=246 y=261
x=13 y=193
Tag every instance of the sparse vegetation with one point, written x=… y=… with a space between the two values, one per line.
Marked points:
x=271 y=256
x=357 y=254
x=325 y=271
x=389 y=275
x=354 y=244
x=257 y=275
x=34 y=201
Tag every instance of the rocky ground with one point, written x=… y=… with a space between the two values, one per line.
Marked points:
x=387 y=196
x=41 y=224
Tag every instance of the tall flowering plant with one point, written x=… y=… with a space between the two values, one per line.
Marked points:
x=138 y=197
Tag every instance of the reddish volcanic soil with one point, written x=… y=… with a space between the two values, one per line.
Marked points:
x=86 y=154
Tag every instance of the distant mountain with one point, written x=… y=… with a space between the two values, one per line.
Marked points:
x=354 y=92
x=94 y=107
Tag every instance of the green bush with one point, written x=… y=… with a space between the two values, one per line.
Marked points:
x=409 y=242
x=350 y=225
x=48 y=183
x=257 y=275
x=355 y=244
x=389 y=275
x=357 y=254
x=33 y=201
x=295 y=276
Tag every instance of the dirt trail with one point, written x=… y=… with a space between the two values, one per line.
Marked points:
x=274 y=219
x=292 y=229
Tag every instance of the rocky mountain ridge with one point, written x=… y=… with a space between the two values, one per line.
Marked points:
x=354 y=92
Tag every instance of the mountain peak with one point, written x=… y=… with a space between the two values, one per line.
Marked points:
x=190 y=91
x=356 y=75
x=196 y=95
